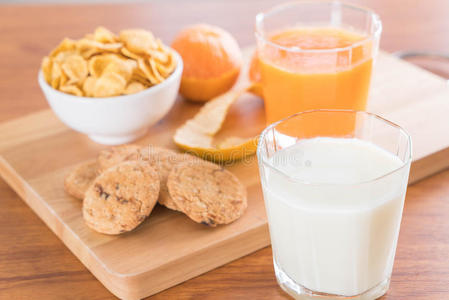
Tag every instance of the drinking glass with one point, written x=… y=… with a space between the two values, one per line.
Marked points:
x=334 y=231
x=326 y=75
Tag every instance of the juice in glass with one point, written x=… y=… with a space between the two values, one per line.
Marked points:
x=315 y=56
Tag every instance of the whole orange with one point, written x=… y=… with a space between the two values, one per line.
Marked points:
x=212 y=61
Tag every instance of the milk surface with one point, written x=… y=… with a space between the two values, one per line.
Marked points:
x=333 y=229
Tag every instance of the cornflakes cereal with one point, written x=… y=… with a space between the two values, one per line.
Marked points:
x=71 y=89
x=134 y=87
x=129 y=54
x=46 y=68
x=99 y=63
x=89 y=86
x=153 y=63
x=62 y=56
x=121 y=67
x=56 y=74
x=103 y=64
x=138 y=40
x=109 y=85
x=140 y=78
x=64 y=46
x=145 y=67
x=103 y=35
x=63 y=80
x=75 y=67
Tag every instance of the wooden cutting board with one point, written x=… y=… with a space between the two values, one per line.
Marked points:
x=37 y=151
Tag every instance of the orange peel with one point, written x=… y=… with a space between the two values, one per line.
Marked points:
x=254 y=75
x=196 y=136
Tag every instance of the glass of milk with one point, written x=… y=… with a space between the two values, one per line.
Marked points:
x=334 y=184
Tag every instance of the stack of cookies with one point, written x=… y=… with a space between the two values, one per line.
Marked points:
x=121 y=188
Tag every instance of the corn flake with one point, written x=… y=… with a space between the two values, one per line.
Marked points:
x=75 y=67
x=146 y=68
x=71 y=89
x=66 y=45
x=64 y=79
x=134 y=87
x=109 y=85
x=56 y=73
x=154 y=69
x=98 y=63
x=46 y=68
x=89 y=86
x=103 y=35
x=129 y=54
x=102 y=64
x=138 y=40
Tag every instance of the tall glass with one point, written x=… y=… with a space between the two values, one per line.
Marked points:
x=334 y=202
x=315 y=55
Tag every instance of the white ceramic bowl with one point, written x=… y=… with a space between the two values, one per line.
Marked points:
x=115 y=120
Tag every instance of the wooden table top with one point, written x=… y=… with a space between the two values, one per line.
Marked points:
x=34 y=264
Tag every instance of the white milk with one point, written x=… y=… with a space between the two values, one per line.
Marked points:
x=335 y=238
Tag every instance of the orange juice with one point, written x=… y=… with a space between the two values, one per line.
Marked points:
x=314 y=68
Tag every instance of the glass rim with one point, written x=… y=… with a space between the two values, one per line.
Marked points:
x=262 y=15
x=262 y=158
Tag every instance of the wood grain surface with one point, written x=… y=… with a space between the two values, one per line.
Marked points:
x=34 y=264
x=164 y=250
x=168 y=248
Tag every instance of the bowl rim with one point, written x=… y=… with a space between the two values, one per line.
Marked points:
x=172 y=77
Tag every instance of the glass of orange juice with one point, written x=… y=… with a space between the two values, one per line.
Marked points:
x=316 y=55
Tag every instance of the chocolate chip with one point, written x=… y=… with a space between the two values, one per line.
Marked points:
x=209 y=222
x=101 y=192
x=122 y=200
x=221 y=169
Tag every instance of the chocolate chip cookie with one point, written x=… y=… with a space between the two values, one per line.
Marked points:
x=113 y=156
x=80 y=178
x=207 y=193
x=121 y=197
x=163 y=162
x=110 y=157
